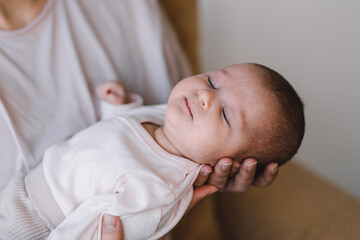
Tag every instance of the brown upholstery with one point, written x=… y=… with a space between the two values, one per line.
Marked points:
x=298 y=206
x=183 y=16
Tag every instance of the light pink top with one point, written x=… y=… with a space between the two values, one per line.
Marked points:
x=50 y=67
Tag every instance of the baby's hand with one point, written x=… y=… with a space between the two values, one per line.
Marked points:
x=112 y=92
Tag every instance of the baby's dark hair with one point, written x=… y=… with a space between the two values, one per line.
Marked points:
x=284 y=129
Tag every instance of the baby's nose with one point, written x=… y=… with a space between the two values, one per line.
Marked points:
x=205 y=98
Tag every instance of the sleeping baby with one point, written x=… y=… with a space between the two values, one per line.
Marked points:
x=141 y=164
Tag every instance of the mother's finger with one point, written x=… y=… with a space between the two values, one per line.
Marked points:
x=267 y=176
x=203 y=175
x=200 y=193
x=112 y=228
x=221 y=172
x=235 y=167
x=244 y=178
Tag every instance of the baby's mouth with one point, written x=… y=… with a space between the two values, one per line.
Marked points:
x=188 y=107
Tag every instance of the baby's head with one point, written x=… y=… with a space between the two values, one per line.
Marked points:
x=241 y=111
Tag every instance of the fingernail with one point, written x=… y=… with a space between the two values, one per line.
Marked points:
x=274 y=169
x=206 y=173
x=214 y=191
x=110 y=223
x=226 y=166
x=251 y=168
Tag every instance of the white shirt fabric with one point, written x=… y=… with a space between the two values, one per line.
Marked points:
x=48 y=71
x=116 y=167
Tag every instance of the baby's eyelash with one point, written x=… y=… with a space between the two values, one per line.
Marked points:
x=224 y=114
x=210 y=83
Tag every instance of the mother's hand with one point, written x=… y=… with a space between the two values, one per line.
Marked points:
x=236 y=177
x=232 y=176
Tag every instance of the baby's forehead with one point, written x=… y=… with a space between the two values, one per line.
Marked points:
x=249 y=68
x=244 y=74
x=247 y=84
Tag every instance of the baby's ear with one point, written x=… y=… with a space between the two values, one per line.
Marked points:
x=112 y=92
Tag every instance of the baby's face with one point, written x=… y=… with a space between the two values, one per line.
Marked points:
x=212 y=115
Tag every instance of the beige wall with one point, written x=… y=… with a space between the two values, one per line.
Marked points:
x=316 y=46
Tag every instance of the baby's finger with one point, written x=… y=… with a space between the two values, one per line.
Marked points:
x=112 y=92
x=203 y=175
x=116 y=99
x=221 y=173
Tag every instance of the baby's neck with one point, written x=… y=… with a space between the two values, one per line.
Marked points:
x=157 y=132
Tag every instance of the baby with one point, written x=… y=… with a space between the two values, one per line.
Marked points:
x=141 y=164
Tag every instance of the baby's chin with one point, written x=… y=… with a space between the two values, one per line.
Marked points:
x=203 y=160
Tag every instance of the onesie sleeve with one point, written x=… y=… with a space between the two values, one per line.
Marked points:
x=137 y=199
x=108 y=110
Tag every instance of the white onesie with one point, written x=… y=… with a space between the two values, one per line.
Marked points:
x=115 y=167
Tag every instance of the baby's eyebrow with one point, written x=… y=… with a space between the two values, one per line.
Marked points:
x=216 y=77
x=225 y=73
x=220 y=72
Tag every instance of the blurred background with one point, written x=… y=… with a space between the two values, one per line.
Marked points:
x=315 y=45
